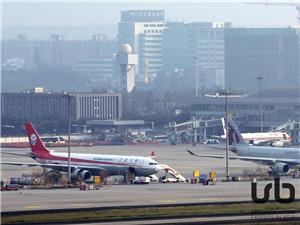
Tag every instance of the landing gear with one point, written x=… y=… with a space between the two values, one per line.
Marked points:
x=273 y=174
x=130 y=175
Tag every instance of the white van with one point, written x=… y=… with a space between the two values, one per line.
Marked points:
x=211 y=141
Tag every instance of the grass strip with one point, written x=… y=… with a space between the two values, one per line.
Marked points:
x=143 y=213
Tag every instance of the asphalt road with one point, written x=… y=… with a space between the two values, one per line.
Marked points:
x=156 y=193
x=244 y=219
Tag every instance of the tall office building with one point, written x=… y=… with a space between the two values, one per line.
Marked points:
x=19 y=49
x=271 y=53
x=142 y=30
x=197 y=49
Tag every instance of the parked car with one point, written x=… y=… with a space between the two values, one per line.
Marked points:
x=165 y=179
x=211 y=141
x=141 y=180
x=153 y=178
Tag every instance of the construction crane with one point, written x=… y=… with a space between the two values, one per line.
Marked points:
x=278 y=3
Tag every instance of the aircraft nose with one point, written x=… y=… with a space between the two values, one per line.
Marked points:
x=157 y=168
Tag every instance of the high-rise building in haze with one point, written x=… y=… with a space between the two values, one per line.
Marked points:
x=271 y=53
x=142 y=30
x=197 y=49
x=92 y=57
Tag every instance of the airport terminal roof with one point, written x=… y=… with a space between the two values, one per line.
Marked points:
x=115 y=122
x=279 y=93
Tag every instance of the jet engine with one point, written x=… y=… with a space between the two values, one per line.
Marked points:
x=83 y=174
x=280 y=168
x=277 y=144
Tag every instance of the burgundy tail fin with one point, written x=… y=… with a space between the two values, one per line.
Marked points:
x=234 y=135
x=152 y=155
x=36 y=144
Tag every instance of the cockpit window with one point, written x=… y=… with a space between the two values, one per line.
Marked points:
x=152 y=163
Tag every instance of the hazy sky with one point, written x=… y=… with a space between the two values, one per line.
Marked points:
x=23 y=13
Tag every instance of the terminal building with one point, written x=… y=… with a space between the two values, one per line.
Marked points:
x=38 y=105
x=279 y=106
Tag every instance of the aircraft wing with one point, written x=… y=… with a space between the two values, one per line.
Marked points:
x=206 y=155
x=270 y=161
x=18 y=154
x=53 y=165
x=215 y=146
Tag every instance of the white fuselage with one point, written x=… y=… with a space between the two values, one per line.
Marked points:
x=258 y=138
x=276 y=153
x=112 y=164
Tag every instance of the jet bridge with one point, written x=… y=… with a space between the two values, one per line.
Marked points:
x=292 y=128
x=193 y=127
x=287 y=126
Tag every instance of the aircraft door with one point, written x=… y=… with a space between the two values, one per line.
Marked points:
x=141 y=162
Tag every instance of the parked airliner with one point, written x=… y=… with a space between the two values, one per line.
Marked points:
x=279 y=159
x=85 y=165
x=277 y=139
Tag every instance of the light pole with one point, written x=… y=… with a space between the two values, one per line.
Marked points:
x=227 y=139
x=196 y=75
x=68 y=96
x=261 y=104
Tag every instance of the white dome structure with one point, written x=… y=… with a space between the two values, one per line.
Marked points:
x=126 y=48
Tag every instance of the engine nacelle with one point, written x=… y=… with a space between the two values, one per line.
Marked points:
x=277 y=144
x=280 y=168
x=85 y=175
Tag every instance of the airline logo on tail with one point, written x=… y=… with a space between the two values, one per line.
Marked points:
x=37 y=146
x=33 y=139
x=234 y=136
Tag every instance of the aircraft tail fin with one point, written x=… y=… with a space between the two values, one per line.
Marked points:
x=152 y=155
x=37 y=146
x=224 y=126
x=234 y=135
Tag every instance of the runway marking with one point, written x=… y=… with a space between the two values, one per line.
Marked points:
x=81 y=204
x=167 y=201
x=32 y=206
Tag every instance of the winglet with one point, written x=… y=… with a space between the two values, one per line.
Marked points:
x=191 y=153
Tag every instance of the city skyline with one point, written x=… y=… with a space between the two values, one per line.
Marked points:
x=95 y=13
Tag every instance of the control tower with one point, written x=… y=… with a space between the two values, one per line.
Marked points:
x=126 y=66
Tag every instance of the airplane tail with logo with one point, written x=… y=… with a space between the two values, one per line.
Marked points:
x=234 y=135
x=152 y=155
x=38 y=148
